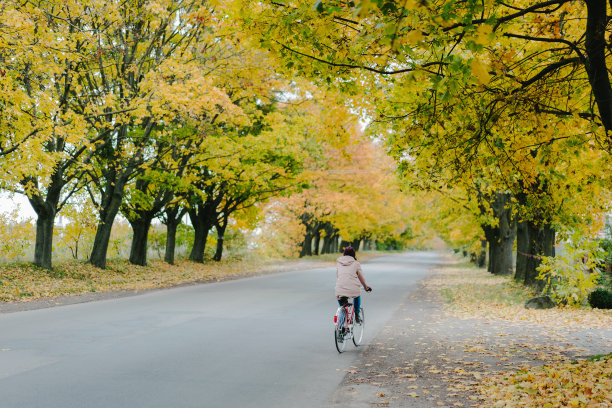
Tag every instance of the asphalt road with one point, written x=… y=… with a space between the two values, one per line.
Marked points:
x=256 y=342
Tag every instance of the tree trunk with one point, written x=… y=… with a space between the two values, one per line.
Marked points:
x=482 y=255
x=45 y=209
x=199 y=243
x=501 y=237
x=138 y=250
x=597 y=71
x=317 y=241
x=43 y=249
x=541 y=242
x=306 y=244
x=522 y=251
x=343 y=244
x=203 y=219
x=325 y=249
x=171 y=227
x=200 y=235
x=172 y=219
x=221 y=227
x=492 y=238
x=103 y=233
x=356 y=244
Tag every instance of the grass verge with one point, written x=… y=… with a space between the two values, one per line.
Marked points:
x=26 y=282
x=471 y=292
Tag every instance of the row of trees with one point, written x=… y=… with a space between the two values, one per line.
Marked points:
x=503 y=110
x=152 y=109
x=354 y=199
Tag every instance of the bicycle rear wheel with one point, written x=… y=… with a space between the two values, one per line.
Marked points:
x=339 y=330
x=358 y=330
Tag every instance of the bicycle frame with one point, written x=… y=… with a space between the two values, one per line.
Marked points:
x=347 y=314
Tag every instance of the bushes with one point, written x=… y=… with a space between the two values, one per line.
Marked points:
x=571 y=276
x=601 y=299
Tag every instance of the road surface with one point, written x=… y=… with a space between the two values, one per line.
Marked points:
x=255 y=342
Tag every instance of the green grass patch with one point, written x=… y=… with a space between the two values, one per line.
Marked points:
x=465 y=283
x=600 y=357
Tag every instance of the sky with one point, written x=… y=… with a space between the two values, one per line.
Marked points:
x=8 y=204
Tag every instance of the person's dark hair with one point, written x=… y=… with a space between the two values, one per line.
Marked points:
x=350 y=251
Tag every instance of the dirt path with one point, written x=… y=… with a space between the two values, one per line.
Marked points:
x=426 y=357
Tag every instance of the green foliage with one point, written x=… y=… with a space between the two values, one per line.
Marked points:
x=184 y=236
x=157 y=240
x=234 y=243
x=395 y=242
x=601 y=299
x=606 y=266
x=571 y=276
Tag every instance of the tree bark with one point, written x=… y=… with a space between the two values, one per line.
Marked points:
x=171 y=228
x=45 y=209
x=221 y=227
x=117 y=175
x=105 y=226
x=306 y=244
x=482 y=255
x=138 y=250
x=522 y=251
x=43 y=250
x=597 y=71
x=492 y=237
x=501 y=237
x=343 y=244
x=172 y=219
x=317 y=241
x=202 y=223
x=540 y=242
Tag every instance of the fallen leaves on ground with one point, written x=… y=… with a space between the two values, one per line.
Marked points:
x=26 y=282
x=472 y=292
x=584 y=383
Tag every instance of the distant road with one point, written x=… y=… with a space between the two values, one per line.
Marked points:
x=256 y=342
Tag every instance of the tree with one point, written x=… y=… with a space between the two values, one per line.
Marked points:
x=44 y=135
x=150 y=69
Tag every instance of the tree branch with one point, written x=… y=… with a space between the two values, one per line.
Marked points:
x=352 y=66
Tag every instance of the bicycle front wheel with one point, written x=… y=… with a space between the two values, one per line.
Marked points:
x=358 y=330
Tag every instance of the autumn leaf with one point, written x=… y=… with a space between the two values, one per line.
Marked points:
x=480 y=71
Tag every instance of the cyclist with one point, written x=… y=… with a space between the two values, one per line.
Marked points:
x=348 y=277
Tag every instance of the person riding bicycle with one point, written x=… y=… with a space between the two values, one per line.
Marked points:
x=348 y=277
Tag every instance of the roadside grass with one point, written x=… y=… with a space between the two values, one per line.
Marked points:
x=26 y=282
x=471 y=292
x=22 y=281
x=467 y=286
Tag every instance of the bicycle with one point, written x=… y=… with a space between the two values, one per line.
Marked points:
x=345 y=326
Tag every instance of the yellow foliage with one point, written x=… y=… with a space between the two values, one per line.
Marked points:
x=15 y=235
x=480 y=71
